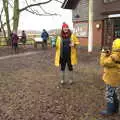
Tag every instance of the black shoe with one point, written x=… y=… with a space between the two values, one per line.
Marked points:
x=116 y=105
x=116 y=101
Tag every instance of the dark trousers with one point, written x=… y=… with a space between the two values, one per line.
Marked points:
x=15 y=46
x=44 y=44
x=64 y=61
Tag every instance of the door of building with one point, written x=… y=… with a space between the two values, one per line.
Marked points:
x=116 y=28
x=111 y=31
x=108 y=32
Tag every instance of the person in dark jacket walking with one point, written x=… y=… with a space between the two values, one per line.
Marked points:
x=15 y=39
x=45 y=37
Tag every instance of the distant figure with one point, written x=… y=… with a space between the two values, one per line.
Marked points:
x=53 y=40
x=15 y=39
x=23 y=38
x=45 y=37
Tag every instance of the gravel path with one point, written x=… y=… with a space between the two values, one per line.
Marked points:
x=28 y=88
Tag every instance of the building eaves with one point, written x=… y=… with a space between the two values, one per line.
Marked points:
x=69 y=4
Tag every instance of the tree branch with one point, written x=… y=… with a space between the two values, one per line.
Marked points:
x=37 y=4
x=58 y=1
x=36 y=13
x=47 y=12
x=10 y=4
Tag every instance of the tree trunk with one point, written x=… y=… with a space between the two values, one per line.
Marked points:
x=5 y=7
x=16 y=15
x=2 y=27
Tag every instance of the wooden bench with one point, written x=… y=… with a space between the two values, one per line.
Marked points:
x=37 y=41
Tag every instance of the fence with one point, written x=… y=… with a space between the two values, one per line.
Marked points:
x=3 y=42
x=30 y=40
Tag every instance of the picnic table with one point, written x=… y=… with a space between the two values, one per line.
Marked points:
x=37 y=40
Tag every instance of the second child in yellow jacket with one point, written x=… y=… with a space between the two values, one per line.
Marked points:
x=111 y=76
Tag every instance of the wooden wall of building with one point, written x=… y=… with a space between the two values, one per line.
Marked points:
x=101 y=10
x=82 y=10
x=113 y=7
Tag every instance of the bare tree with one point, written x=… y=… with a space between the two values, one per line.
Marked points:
x=17 y=11
x=5 y=7
x=36 y=12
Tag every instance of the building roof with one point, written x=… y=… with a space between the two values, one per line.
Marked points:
x=70 y=4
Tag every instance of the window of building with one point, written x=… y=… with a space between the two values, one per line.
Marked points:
x=108 y=1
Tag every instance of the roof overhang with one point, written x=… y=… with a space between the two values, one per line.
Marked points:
x=113 y=15
x=69 y=4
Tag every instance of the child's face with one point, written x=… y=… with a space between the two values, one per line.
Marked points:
x=65 y=29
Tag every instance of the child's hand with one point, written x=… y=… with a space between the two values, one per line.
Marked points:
x=72 y=45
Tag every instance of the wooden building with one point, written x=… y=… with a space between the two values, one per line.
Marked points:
x=106 y=20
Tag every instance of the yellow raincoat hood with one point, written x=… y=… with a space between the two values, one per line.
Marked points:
x=116 y=45
x=111 y=64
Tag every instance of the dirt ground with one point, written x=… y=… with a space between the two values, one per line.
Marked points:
x=29 y=87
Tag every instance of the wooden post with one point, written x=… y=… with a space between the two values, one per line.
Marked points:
x=90 y=33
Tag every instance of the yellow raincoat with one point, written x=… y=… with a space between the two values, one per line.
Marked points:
x=73 y=50
x=111 y=65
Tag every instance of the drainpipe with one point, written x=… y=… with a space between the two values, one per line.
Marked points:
x=90 y=32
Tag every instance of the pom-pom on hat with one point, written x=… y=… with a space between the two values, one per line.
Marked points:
x=65 y=25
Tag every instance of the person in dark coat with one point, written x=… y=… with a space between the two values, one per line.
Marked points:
x=15 y=39
x=11 y=43
x=45 y=37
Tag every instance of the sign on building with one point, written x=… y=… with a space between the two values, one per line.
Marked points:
x=81 y=29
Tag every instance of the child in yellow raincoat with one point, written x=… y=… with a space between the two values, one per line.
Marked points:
x=111 y=63
x=66 y=52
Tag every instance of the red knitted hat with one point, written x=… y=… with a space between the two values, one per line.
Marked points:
x=64 y=25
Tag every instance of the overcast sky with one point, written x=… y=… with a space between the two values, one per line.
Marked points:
x=29 y=21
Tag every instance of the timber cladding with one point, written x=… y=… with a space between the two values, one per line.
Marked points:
x=81 y=10
x=83 y=7
x=99 y=9
x=111 y=8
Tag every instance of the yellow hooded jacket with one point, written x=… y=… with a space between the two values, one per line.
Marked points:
x=111 y=65
x=73 y=50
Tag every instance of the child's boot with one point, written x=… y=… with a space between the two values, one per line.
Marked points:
x=110 y=109
x=116 y=101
